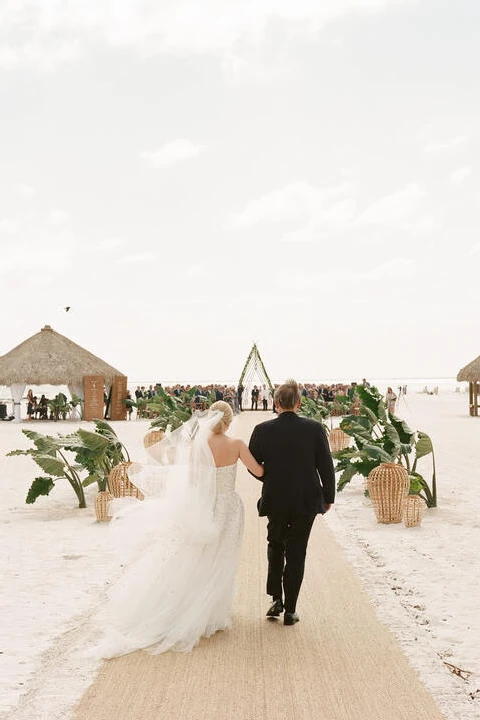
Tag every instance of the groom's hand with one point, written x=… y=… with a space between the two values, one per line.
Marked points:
x=328 y=506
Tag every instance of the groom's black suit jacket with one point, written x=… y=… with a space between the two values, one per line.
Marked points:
x=299 y=474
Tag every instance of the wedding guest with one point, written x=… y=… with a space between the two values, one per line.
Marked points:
x=390 y=400
x=31 y=403
x=265 y=393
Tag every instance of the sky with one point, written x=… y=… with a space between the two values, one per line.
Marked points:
x=192 y=177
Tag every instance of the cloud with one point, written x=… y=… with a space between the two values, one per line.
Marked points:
x=47 y=34
x=45 y=53
x=40 y=253
x=394 y=210
x=137 y=259
x=110 y=244
x=57 y=217
x=8 y=226
x=320 y=211
x=172 y=153
x=193 y=271
x=391 y=270
x=298 y=200
x=474 y=251
x=23 y=189
x=459 y=175
x=459 y=142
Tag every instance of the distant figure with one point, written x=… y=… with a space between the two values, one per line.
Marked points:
x=129 y=404
x=390 y=399
x=255 y=394
x=239 y=397
x=30 y=404
x=43 y=408
x=265 y=393
x=365 y=383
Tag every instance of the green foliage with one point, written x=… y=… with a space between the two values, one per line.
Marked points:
x=169 y=410
x=382 y=437
x=95 y=454
x=314 y=409
x=59 y=407
x=40 y=486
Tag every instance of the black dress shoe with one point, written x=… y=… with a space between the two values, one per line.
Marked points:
x=276 y=609
x=290 y=618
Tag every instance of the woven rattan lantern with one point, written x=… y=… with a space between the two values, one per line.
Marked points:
x=413 y=510
x=388 y=486
x=120 y=484
x=153 y=437
x=338 y=440
x=101 y=504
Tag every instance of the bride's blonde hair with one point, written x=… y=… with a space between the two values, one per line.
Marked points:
x=225 y=421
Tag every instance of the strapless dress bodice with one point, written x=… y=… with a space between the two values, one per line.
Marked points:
x=226 y=478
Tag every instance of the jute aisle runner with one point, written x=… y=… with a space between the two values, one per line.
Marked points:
x=338 y=663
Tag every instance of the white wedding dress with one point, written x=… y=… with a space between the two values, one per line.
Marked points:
x=180 y=586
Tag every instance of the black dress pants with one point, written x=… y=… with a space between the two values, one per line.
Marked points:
x=287 y=537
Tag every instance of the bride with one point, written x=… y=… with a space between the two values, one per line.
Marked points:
x=180 y=586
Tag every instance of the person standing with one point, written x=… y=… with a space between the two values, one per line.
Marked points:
x=255 y=394
x=390 y=400
x=299 y=483
x=239 y=397
x=265 y=394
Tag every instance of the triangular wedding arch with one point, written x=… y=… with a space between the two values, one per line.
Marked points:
x=254 y=371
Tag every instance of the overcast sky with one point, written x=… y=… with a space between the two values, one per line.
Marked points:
x=194 y=175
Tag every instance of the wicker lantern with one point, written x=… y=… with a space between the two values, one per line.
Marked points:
x=153 y=437
x=101 y=504
x=413 y=510
x=338 y=440
x=388 y=486
x=120 y=484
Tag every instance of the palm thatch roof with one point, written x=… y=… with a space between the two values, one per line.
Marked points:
x=49 y=358
x=471 y=372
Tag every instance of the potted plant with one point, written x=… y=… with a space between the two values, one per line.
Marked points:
x=381 y=437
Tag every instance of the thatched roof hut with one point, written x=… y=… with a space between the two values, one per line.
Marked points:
x=471 y=374
x=49 y=358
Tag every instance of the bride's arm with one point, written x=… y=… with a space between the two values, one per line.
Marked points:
x=249 y=461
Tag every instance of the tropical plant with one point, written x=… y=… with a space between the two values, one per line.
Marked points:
x=49 y=454
x=169 y=410
x=379 y=436
x=314 y=409
x=59 y=407
x=95 y=453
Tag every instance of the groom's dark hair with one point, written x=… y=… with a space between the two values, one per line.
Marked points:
x=287 y=396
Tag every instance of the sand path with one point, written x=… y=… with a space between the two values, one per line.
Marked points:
x=338 y=663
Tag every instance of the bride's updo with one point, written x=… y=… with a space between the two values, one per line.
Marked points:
x=225 y=421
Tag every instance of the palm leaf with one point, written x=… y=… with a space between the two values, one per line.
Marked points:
x=40 y=486
x=423 y=445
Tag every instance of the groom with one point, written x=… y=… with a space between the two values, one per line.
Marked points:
x=299 y=483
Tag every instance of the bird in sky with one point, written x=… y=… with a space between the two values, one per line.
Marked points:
x=67 y=308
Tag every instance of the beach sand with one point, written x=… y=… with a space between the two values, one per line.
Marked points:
x=56 y=562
